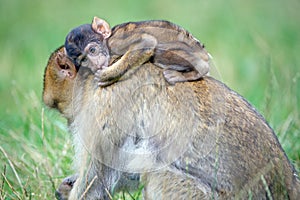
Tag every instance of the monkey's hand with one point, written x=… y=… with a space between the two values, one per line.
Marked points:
x=64 y=189
x=101 y=75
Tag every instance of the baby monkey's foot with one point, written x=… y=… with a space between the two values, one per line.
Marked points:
x=101 y=79
x=173 y=76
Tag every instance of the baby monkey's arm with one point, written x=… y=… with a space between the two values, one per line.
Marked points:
x=138 y=50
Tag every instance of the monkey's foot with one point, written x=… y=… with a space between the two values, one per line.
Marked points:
x=173 y=76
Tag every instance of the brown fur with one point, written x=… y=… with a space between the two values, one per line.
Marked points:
x=57 y=77
x=213 y=143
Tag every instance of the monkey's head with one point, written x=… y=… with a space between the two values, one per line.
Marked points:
x=86 y=45
x=59 y=80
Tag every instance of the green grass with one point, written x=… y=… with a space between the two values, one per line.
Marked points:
x=255 y=45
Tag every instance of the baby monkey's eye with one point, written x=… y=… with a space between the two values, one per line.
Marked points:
x=94 y=50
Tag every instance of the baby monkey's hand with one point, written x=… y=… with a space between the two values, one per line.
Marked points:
x=100 y=77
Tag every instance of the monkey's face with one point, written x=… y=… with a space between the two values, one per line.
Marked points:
x=95 y=56
x=59 y=78
x=87 y=48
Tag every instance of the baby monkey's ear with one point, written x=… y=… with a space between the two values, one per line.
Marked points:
x=102 y=27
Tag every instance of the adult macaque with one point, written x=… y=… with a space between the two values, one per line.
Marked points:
x=191 y=140
x=167 y=45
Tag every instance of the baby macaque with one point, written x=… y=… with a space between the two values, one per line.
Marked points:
x=230 y=152
x=165 y=44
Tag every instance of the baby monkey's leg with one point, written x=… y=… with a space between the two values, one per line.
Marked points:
x=137 y=52
x=181 y=62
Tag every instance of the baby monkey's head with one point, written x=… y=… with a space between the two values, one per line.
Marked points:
x=86 y=45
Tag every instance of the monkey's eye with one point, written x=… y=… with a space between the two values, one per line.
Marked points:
x=94 y=50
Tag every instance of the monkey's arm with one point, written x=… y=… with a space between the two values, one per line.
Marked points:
x=138 y=50
x=180 y=62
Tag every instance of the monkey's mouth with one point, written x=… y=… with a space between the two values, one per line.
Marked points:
x=102 y=62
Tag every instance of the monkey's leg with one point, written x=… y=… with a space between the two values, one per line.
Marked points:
x=138 y=53
x=173 y=185
x=182 y=62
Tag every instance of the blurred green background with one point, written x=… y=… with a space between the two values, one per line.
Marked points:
x=255 y=45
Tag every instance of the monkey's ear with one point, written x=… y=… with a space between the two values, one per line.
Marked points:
x=102 y=27
x=65 y=67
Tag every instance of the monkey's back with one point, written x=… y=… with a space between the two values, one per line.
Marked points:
x=163 y=30
x=236 y=141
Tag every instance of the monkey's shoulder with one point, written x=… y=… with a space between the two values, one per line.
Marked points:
x=131 y=26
